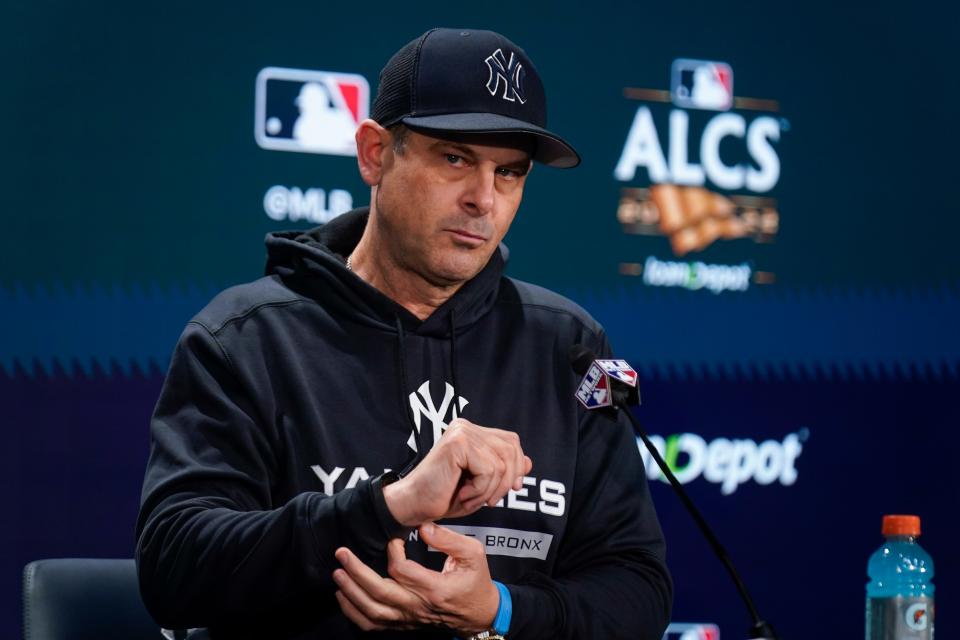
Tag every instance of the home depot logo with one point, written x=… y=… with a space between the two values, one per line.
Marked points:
x=726 y=462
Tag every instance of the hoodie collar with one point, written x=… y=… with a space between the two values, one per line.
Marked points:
x=312 y=263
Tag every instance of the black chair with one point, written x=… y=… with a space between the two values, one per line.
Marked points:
x=84 y=599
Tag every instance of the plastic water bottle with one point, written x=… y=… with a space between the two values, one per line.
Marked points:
x=900 y=590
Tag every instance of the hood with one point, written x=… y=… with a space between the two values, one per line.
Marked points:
x=312 y=263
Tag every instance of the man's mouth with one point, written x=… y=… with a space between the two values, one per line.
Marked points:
x=467 y=237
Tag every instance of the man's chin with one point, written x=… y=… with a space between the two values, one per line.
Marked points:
x=454 y=273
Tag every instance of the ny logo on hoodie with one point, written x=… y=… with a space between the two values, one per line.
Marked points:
x=424 y=407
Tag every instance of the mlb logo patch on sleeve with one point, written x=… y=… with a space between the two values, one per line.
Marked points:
x=310 y=111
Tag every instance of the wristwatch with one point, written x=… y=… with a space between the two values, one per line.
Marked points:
x=490 y=634
x=391 y=527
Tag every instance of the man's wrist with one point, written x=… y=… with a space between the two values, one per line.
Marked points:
x=392 y=526
x=395 y=495
x=500 y=625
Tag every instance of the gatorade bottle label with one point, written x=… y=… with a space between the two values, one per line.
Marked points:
x=900 y=618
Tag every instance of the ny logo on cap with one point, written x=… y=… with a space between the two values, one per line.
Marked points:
x=510 y=73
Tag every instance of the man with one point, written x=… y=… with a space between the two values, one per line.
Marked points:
x=389 y=339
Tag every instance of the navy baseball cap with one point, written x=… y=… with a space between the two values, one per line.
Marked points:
x=469 y=81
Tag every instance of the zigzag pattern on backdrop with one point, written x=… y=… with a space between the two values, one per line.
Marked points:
x=94 y=330
x=774 y=333
x=778 y=332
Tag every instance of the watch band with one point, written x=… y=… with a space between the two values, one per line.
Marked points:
x=388 y=523
x=487 y=635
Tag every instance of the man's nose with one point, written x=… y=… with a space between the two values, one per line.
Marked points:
x=480 y=194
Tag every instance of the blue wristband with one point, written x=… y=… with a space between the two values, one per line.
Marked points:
x=501 y=622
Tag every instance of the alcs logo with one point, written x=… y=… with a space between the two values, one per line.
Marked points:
x=710 y=86
x=729 y=151
x=310 y=111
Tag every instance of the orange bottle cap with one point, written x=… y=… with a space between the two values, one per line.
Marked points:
x=896 y=525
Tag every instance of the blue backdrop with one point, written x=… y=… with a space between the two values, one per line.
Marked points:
x=773 y=247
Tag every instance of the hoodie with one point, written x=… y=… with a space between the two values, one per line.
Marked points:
x=287 y=397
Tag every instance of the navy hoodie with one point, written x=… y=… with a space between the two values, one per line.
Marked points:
x=287 y=395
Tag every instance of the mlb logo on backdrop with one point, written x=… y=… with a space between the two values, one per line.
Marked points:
x=310 y=111
x=701 y=84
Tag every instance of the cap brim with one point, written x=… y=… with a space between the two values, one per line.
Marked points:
x=552 y=150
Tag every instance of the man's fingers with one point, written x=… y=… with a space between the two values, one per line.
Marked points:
x=513 y=440
x=492 y=464
x=496 y=465
x=526 y=466
x=509 y=464
x=374 y=600
x=396 y=550
x=450 y=542
x=514 y=451
x=370 y=586
x=506 y=483
x=500 y=479
x=354 y=614
x=404 y=570
x=372 y=609
x=470 y=500
x=496 y=453
x=485 y=468
x=408 y=572
x=354 y=566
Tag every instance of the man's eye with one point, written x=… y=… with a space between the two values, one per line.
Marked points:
x=453 y=158
x=508 y=173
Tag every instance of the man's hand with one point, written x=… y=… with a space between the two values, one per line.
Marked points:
x=462 y=597
x=470 y=466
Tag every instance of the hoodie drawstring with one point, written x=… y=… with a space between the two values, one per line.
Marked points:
x=453 y=360
x=422 y=449
x=404 y=405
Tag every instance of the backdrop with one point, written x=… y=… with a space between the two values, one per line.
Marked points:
x=765 y=220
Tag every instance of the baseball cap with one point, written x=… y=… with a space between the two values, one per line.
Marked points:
x=469 y=81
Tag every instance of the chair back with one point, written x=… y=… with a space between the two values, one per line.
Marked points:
x=84 y=599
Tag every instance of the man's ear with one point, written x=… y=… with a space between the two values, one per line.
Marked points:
x=373 y=144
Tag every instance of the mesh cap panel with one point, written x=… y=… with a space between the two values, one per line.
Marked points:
x=395 y=94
